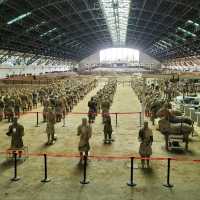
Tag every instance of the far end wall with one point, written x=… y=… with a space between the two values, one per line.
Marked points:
x=95 y=59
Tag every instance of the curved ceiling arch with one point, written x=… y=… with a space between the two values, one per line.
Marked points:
x=84 y=23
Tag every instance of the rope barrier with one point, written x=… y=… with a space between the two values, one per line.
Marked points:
x=80 y=113
x=101 y=157
x=12 y=114
x=84 y=181
x=73 y=113
x=116 y=114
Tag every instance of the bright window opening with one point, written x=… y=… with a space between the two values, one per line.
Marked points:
x=119 y=55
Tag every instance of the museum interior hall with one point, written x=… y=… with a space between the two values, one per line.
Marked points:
x=99 y=99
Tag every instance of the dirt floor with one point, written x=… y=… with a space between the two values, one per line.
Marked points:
x=107 y=178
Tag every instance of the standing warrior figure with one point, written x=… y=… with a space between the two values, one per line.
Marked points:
x=50 y=129
x=105 y=107
x=16 y=131
x=46 y=104
x=85 y=133
x=108 y=131
x=146 y=139
x=92 y=110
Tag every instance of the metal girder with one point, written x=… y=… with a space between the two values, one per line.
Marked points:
x=149 y=19
x=149 y=11
x=54 y=4
x=189 y=46
x=33 y=59
x=5 y=53
x=181 y=50
x=5 y=58
x=131 y=25
x=155 y=32
x=55 y=19
x=73 y=36
x=67 y=29
x=194 y=4
x=42 y=61
x=20 y=58
x=167 y=28
x=84 y=21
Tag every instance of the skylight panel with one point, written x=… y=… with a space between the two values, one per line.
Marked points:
x=47 y=33
x=57 y=37
x=36 y=26
x=18 y=18
x=192 y=23
x=166 y=43
x=186 y=32
x=157 y=46
x=162 y=45
x=178 y=37
x=116 y=13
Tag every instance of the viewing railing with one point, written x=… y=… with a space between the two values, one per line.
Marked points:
x=23 y=82
x=39 y=115
x=84 y=179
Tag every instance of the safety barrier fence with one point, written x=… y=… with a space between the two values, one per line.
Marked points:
x=84 y=180
x=38 y=81
x=116 y=114
x=138 y=122
x=123 y=83
x=23 y=82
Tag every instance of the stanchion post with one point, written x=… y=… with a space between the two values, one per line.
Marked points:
x=15 y=178
x=131 y=182
x=140 y=119
x=193 y=129
x=46 y=179
x=116 y=119
x=37 y=121
x=168 y=175
x=84 y=181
